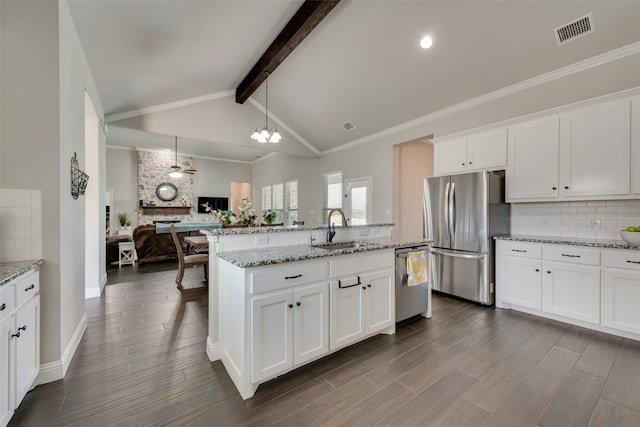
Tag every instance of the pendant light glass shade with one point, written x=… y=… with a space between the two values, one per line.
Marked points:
x=266 y=134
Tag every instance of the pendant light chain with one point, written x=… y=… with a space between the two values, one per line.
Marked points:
x=266 y=134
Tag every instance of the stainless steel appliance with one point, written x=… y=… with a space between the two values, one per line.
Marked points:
x=462 y=213
x=410 y=300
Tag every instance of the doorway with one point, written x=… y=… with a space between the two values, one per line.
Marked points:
x=358 y=203
x=92 y=210
x=239 y=191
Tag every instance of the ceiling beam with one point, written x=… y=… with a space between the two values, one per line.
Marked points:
x=299 y=26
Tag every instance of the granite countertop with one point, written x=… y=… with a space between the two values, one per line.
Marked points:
x=282 y=254
x=11 y=270
x=593 y=243
x=281 y=229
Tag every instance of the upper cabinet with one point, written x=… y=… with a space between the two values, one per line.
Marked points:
x=534 y=149
x=481 y=151
x=635 y=145
x=595 y=147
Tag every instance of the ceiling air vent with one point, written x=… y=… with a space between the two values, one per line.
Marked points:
x=348 y=126
x=574 y=29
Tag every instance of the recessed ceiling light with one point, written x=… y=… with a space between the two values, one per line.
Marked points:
x=426 y=42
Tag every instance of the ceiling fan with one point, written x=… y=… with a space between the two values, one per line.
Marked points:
x=177 y=171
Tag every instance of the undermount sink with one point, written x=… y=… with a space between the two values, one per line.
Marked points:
x=342 y=245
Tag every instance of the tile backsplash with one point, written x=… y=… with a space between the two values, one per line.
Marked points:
x=20 y=225
x=583 y=220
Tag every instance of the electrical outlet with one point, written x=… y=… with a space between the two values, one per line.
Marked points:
x=595 y=224
x=262 y=239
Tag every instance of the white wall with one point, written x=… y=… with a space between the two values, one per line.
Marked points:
x=214 y=179
x=374 y=156
x=44 y=76
x=122 y=178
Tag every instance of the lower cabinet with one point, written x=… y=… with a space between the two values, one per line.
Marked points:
x=571 y=291
x=289 y=328
x=360 y=306
x=19 y=342
x=524 y=281
x=621 y=291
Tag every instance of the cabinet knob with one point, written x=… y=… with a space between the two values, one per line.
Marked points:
x=463 y=164
x=29 y=288
x=22 y=328
x=548 y=271
x=16 y=335
x=368 y=286
x=364 y=287
x=3 y=306
x=298 y=303
x=470 y=163
x=537 y=270
x=566 y=187
x=554 y=188
x=290 y=305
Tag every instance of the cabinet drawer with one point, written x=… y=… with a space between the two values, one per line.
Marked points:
x=519 y=249
x=7 y=300
x=345 y=265
x=271 y=279
x=572 y=254
x=27 y=287
x=622 y=259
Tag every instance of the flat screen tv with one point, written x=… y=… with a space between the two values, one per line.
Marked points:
x=221 y=203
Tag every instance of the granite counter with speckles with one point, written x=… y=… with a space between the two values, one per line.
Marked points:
x=282 y=229
x=593 y=243
x=282 y=254
x=12 y=270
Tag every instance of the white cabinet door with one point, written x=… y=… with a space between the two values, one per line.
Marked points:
x=595 y=147
x=379 y=301
x=7 y=370
x=635 y=145
x=533 y=160
x=310 y=322
x=518 y=282
x=620 y=296
x=346 y=314
x=571 y=290
x=487 y=150
x=272 y=335
x=27 y=347
x=450 y=157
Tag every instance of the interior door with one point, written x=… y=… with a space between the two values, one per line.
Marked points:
x=358 y=201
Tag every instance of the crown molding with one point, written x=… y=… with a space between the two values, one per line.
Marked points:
x=577 y=67
x=168 y=106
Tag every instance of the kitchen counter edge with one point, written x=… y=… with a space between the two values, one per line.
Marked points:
x=592 y=243
x=283 y=254
x=12 y=270
x=282 y=229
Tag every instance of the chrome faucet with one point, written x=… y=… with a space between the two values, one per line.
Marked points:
x=331 y=228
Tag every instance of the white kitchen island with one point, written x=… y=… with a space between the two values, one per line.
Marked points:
x=277 y=302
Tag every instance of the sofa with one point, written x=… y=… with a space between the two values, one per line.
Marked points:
x=152 y=247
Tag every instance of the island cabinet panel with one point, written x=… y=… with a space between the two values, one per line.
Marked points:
x=379 y=302
x=347 y=313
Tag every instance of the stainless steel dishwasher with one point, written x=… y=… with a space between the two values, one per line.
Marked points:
x=411 y=300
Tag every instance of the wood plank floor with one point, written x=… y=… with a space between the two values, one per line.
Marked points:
x=142 y=362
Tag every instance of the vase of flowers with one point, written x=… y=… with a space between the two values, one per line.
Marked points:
x=247 y=213
x=221 y=217
x=269 y=216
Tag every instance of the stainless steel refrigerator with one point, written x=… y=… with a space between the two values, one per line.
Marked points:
x=462 y=213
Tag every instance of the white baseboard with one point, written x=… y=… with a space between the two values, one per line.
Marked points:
x=95 y=292
x=54 y=371
x=213 y=350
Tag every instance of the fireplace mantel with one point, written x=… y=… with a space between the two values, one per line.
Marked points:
x=166 y=210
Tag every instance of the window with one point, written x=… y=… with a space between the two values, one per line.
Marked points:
x=291 y=202
x=333 y=196
x=282 y=198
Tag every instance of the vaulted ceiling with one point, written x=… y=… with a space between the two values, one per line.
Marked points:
x=171 y=67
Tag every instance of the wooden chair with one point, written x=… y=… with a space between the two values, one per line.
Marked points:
x=188 y=260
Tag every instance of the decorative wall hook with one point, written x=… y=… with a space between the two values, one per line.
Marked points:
x=78 y=178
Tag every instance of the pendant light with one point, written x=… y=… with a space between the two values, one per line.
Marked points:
x=266 y=134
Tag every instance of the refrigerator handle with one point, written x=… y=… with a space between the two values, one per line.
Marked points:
x=427 y=230
x=452 y=212
x=447 y=225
